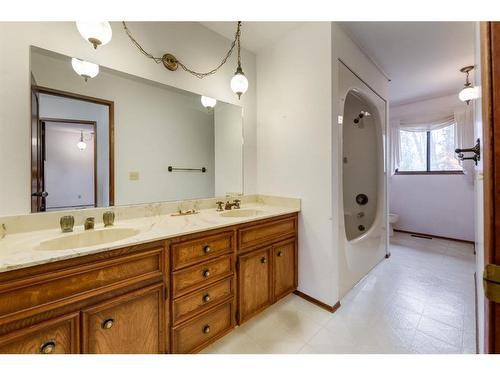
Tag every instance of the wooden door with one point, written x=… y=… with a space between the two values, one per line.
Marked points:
x=130 y=324
x=254 y=283
x=55 y=336
x=285 y=267
x=490 y=77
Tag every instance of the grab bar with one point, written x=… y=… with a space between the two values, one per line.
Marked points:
x=202 y=169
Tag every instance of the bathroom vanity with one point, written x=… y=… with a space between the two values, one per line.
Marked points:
x=176 y=293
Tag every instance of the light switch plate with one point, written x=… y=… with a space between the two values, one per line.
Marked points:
x=133 y=176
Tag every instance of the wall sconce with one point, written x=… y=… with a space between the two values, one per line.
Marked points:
x=84 y=68
x=469 y=92
x=208 y=102
x=96 y=33
x=239 y=83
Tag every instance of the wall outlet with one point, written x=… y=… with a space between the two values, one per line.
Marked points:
x=133 y=176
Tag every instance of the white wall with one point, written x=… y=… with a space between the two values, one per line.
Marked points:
x=69 y=171
x=294 y=91
x=228 y=155
x=198 y=46
x=441 y=205
x=51 y=106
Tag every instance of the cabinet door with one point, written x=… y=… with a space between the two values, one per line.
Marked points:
x=55 y=336
x=254 y=283
x=285 y=268
x=132 y=323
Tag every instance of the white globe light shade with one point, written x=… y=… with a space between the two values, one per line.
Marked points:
x=468 y=93
x=84 y=68
x=208 y=102
x=97 y=33
x=81 y=145
x=239 y=83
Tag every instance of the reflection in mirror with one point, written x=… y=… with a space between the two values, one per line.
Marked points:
x=117 y=139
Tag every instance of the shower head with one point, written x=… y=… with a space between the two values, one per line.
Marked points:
x=361 y=115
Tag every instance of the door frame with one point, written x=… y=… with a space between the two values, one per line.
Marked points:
x=44 y=120
x=111 y=127
x=490 y=81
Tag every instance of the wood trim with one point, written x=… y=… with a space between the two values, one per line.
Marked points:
x=434 y=236
x=316 y=302
x=111 y=125
x=44 y=120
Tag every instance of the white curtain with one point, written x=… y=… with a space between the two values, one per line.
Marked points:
x=424 y=126
x=464 y=137
x=394 y=145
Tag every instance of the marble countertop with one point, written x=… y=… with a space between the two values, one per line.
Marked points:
x=20 y=250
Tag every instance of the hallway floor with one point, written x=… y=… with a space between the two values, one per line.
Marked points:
x=420 y=300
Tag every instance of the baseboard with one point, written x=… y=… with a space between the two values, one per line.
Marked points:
x=313 y=300
x=430 y=236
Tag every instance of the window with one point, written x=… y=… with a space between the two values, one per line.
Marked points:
x=430 y=151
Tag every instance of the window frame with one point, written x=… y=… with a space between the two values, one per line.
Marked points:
x=428 y=162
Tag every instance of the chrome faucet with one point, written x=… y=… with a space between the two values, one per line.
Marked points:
x=236 y=204
x=67 y=222
x=89 y=223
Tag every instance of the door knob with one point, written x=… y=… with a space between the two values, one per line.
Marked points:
x=206 y=329
x=206 y=297
x=48 y=347
x=206 y=273
x=108 y=323
x=263 y=260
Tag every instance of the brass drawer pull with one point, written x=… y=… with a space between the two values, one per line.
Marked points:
x=280 y=254
x=206 y=297
x=108 y=323
x=48 y=347
x=263 y=260
x=206 y=328
x=206 y=272
x=206 y=249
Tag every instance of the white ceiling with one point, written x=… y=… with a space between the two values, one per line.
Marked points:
x=422 y=59
x=254 y=35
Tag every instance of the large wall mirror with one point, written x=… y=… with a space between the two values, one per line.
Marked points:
x=118 y=139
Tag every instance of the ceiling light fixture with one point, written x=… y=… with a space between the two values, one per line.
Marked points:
x=81 y=143
x=96 y=33
x=84 y=68
x=208 y=102
x=239 y=82
x=469 y=92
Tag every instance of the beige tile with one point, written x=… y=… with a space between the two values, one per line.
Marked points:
x=441 y=331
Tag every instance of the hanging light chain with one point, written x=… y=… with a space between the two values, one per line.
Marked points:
x=159 y=60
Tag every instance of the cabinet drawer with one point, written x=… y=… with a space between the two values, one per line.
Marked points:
x=190 y=252
x=261 y=234
x=200 y=300
x=202 y=274
x=55 y=336
x=193 y=335
x=129 y=324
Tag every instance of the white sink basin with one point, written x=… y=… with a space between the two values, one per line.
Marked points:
x=88 y=238
x=241 y=212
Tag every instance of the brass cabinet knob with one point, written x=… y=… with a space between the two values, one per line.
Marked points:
x=48 y=347
x=280 y=254
x=206 y=328
x=206 y=273
x=108 y=323
x=206 y=297
x=263 y=260
x=206 y=249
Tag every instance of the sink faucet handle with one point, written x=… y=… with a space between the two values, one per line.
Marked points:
x=237 y=203
x=89 y=223
x=108 y=218
x=67 y=222
x=219 y=205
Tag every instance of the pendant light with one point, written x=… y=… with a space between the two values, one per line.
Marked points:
x=81 y=143
x=96 y=33
x=84 y=68
x=469 y=92
x=239 y=83
x=208 y=102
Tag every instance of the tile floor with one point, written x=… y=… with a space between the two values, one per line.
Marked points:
x=420 y=300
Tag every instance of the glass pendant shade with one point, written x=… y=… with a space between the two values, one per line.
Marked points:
x=84 y=68
x=97 y=33
x=208 y=102
x=468 y=93
x=239 y=83
x=81 y=144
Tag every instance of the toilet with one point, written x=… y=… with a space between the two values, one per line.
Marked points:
x=393 y=219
